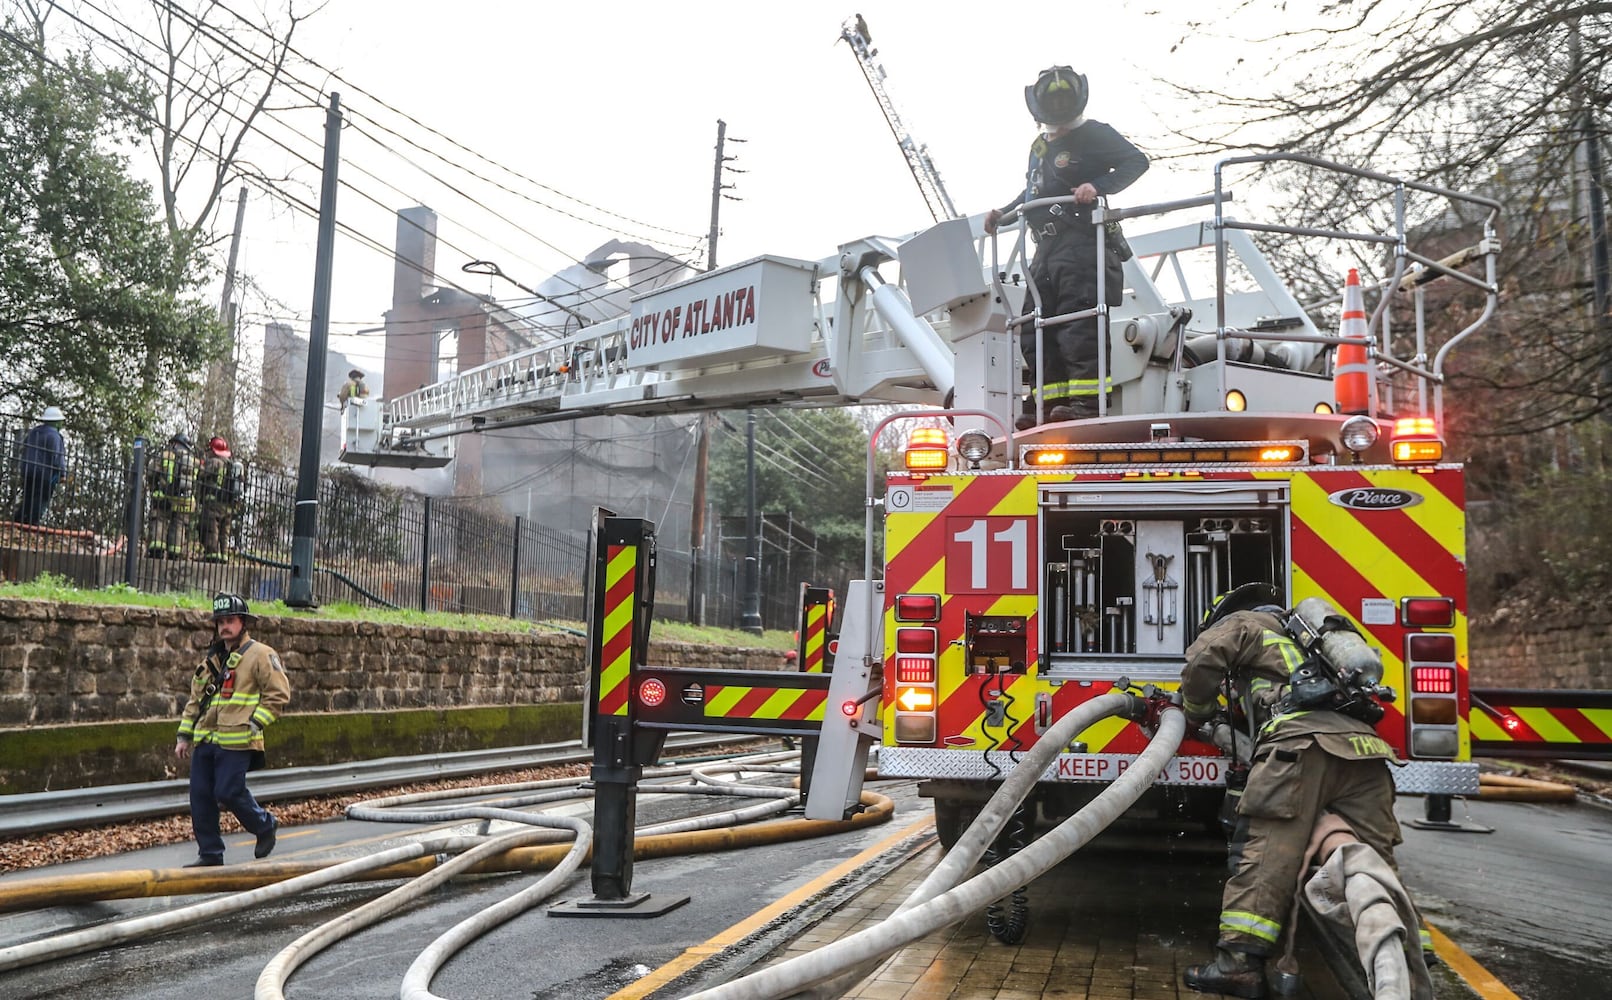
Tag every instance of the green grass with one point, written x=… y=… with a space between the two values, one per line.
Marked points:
x=49 y=587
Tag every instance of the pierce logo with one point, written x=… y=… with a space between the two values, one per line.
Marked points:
x=823 y=368
x=1375 y=498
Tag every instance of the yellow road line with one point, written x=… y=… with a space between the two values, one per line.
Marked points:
x=1480 y=979
x=749 y=925
x=287 y=835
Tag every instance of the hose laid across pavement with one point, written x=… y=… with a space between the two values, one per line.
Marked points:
x=947 y=907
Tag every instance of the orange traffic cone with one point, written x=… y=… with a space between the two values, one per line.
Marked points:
x=1351 y=372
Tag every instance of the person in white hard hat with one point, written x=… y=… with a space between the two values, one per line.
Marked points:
x=43 y=463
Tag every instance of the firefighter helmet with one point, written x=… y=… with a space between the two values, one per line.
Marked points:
x=181 y=439
x=1248 y=597
x=52 y=415
x=231 y=605
x=1058 y=96
x=219 y=447
x=355 y=374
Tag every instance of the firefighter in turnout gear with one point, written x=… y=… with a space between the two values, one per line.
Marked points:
x=171 y=483
x=236 y=693
x=1088 y=159
x=1306 y=761
x=222 y=488
x=353 y=388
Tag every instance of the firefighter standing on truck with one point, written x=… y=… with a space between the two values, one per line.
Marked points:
x=221 y=490
x=1088 y=159
x=1306 y=761
x=171 y=482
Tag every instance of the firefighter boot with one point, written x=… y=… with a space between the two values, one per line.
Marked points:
x=1232 y=973
x=265 y=840
x=1026 y=418
x=206 y=861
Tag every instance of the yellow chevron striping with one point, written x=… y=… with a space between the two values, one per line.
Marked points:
x=1485 y=728
x=1546 y=725
x=1101 y=733
x=1021 y=500
x=1437 y=514
x=1021 y=708
x=1600 y=718
x=1346 y=535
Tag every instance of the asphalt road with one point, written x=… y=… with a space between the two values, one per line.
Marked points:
x=1529 y=901
x=1526 y=901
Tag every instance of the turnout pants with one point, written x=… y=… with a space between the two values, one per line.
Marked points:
x=1065 y=274
x=1291 y=784
x=170 y=523
x=218 y=780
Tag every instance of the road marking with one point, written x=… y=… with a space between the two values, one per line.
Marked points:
x=749 y=925
x=1480 y=979
x=279 y=836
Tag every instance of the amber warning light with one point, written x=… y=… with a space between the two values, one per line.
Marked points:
x=1416 y=441
x=928 y=450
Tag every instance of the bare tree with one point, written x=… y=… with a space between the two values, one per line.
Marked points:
x=1506 y=97
x=217 y=74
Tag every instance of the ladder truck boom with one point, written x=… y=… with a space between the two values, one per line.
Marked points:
x=854 y=32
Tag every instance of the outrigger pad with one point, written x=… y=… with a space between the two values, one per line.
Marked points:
x=636 y=904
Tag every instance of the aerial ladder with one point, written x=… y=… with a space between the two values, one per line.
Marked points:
x=1026 y=572
x=854 y=32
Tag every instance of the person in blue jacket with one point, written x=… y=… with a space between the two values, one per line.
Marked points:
x=43 y=463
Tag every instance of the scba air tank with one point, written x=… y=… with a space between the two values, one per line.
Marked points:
x=1344 y=648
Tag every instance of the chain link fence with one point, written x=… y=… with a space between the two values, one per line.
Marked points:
x=377 y=546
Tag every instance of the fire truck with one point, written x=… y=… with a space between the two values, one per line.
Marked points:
x=1025 y=572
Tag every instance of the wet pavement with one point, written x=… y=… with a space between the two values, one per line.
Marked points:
x=1119 y=920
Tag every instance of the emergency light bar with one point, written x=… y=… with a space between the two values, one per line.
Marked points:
x=927 y=450
x=1230 y=453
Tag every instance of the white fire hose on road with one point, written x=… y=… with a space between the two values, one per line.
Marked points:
x=936 y=903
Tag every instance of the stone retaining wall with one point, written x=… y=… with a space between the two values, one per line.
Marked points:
x=1543 y=648
x=74 y=663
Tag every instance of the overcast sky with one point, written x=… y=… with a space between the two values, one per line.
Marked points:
x=616 y=104
x=602 y=108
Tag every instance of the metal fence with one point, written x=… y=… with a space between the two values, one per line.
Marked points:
x=377 y=546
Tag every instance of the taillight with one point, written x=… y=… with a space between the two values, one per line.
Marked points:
x=916 y=640
x=1433 y=712
x=1427 y=612
x=918 y=608
x=915 y=670
x=1433 y=680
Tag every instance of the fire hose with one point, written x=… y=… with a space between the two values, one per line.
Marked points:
x=253 y=885
x=939 y=901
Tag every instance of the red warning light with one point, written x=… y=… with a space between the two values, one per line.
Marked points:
x=1510 y=723
x=651 y=693
x=848 y=709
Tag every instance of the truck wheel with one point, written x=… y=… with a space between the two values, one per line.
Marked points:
x=952 y=818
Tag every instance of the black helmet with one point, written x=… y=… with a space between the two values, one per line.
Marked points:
x=228 y=605
x=1057 y=97
x=1248 y=597
x=355 y=373
x=182 y=439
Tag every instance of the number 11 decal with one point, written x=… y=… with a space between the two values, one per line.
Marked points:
x=988 y=554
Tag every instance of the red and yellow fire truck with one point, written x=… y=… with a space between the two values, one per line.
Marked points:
x=1025 y=572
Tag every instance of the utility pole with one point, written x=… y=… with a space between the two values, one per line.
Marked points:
x=1595 y=208
x=219 y=386
x=750 y=621
x=702 y=456
x=305 y=525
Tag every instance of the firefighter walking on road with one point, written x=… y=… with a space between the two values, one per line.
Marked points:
x=238 y=691
x=171 y=483
x=221 y=490
x=1313 y=753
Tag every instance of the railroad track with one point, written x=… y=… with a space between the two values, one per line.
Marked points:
x=42 y=812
